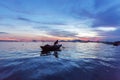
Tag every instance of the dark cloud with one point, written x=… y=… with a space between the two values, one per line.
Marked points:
x=33 y=21
x=48 y=23
x=62 y=33
x=111 y=35
x=26 y=20
x=4 y=33
x=102 y=15
x=56 y=32
x=109 y=17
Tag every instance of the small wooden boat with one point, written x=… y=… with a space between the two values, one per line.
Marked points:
x=51 y=47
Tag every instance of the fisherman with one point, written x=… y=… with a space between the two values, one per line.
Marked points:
x=56 y=42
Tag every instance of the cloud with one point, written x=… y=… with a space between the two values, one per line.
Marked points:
x=4 y=33
x=32 y=21
x=105 y=13
x=110 y=35
x=54 y=31
x=62 y=33
x=48 y=23
x=62 y=18
x=24 y=19
x=109 y=17
x=106 y=28
x=105 y=20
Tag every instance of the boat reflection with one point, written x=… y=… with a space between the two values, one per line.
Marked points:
x=46 y=53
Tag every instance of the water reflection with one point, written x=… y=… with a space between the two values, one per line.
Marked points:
x=46 y=53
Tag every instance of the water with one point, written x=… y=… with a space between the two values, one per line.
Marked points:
x=77 y=61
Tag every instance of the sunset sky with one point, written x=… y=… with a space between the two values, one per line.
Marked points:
x=60 y=19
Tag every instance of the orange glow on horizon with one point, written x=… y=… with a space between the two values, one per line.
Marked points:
x=92 y=39
x=52 y=38
x=7 y=38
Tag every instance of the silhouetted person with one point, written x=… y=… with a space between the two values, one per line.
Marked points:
x=56 y=42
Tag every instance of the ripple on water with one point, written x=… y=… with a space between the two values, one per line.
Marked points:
x=78 y=61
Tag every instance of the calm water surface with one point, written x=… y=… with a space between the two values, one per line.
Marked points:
x=76 y=61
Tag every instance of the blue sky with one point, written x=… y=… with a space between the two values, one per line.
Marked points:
x=60 y=19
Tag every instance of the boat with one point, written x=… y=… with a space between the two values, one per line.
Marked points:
x=117 y=43
x=51 y=47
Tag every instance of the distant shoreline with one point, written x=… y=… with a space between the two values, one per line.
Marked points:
x=115 y=43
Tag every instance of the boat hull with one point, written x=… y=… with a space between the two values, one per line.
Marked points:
x=51 y=48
